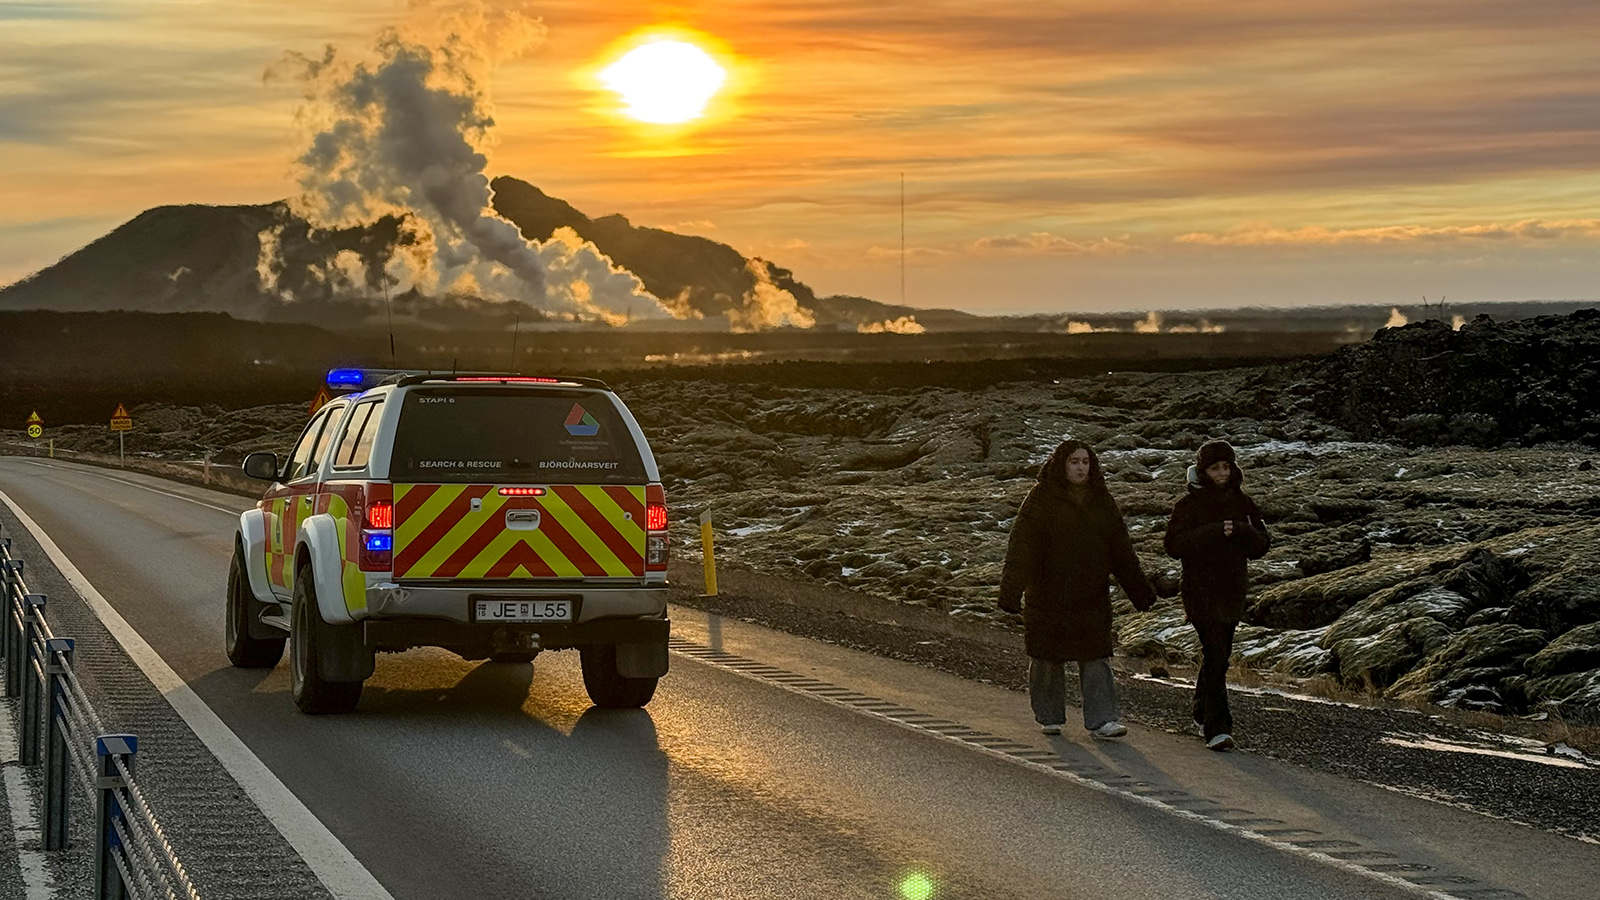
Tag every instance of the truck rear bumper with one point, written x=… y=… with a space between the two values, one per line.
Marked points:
x=481 y=638
x=454 y=601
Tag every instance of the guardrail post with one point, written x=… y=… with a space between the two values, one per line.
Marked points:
x=11 y=573
x=8 y=632
x=32 y=689
x=108 y=749
x=57 y=778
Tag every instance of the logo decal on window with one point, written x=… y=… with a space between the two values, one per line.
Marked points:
x=581 y=424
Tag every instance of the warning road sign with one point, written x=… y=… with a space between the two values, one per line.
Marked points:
x=34 y=419
x=320 y=400
x=120 y=420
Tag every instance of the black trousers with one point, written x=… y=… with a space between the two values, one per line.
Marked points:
x=1211 y=688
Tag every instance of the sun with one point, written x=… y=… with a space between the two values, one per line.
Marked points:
x=665 y=81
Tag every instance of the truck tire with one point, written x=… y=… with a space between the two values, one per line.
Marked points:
x=312 y=694
x=244 y=651
x=606 y=687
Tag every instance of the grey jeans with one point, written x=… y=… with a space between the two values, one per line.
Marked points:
x=1047 y=690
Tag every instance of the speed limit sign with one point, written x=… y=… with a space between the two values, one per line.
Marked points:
x=35 y=431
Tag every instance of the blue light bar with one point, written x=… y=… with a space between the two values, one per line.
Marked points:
x=349 y=379
x=379 y=543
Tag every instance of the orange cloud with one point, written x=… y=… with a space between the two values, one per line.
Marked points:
x=1529 y=230
x=1043 y=243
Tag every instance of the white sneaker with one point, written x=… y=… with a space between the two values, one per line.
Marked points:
x=1050 y=729
x=1220 y=743
x=1110 y=730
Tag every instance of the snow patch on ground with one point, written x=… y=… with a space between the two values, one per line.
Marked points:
x=1431 y=742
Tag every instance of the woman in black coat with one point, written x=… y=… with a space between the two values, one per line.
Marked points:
x=1067 y=542
x=1215 y=528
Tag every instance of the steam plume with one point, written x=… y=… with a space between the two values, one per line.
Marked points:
x=1150 y=324
x=407 y=134
x=902 y=325
x=766 y=305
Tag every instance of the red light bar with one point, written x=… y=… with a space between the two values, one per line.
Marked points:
x=525 y=378
x=522 y=492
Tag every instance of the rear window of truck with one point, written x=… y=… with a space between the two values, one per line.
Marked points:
x=487 y=435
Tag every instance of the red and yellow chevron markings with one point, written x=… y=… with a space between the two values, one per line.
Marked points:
x=587 y=530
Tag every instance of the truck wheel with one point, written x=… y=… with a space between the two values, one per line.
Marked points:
x=243 y=650
x=607 y=688
x=311 y=693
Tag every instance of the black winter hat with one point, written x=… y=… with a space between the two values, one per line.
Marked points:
x=1212 y=452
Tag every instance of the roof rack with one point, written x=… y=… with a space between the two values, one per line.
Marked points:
x=354 y=379
x=502 y=378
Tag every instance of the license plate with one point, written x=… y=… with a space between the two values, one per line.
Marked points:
x=524 y=610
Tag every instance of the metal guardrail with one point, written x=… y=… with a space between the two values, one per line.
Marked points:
x=61 y=733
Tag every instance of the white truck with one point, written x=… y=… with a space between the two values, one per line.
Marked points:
x=495 y=516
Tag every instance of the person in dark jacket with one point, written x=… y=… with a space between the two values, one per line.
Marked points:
x=1215 y=528
x=1067 y=542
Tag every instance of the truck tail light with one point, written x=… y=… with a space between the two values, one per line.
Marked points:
x=375 y=551
x=655 y=524
x=380 y=514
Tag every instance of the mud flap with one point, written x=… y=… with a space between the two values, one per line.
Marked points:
x=647 y=660
x=343 y=654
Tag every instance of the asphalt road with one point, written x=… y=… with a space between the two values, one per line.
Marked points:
x=458 y=779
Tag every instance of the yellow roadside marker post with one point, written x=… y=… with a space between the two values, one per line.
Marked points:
x=709 y=559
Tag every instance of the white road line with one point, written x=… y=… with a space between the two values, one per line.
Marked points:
x=333 y=863
x=142 y=487
x=24 y=816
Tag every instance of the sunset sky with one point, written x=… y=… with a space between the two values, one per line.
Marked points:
x=1057 y=156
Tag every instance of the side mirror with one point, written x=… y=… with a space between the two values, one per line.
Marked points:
x=262 y=465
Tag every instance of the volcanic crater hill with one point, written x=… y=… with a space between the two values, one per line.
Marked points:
x=208 y=258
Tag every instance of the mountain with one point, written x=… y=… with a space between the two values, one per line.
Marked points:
x=196 y=258
x=167 y=259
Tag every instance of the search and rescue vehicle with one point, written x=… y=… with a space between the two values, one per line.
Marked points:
x=495 y=516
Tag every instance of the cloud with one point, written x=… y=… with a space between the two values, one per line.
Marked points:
x=911 y=253
x=1043 y=243
x=1526 y=231
x=53 y=11
x=692 y=226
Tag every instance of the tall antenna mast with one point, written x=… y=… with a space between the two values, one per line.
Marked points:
x=390 y=311
x=515 y=330
x=902 y=239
